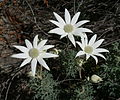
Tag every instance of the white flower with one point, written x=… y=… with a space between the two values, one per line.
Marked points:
x=96 y=79
x=91 y=48
x=69 y=27
x=34 y=53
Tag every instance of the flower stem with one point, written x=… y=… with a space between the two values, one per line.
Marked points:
x=40 y=73
x=68 y=44
x=80 y=69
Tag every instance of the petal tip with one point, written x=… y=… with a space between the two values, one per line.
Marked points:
x=66 y=9
x=76 y=56
x=12 y=56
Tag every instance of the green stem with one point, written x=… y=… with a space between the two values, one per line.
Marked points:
x=68 y=43
x=80 y=64
x=80 y=69
x=40 y=73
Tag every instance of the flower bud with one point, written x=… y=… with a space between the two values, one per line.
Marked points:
x=88 y=78
x=96 y=79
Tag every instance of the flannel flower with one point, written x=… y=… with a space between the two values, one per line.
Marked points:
x=69 y=27
x=34 y=53
x=91 y=48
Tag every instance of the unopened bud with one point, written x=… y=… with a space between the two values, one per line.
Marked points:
x=96 y=79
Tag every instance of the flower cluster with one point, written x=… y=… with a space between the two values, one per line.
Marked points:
x=68 y=28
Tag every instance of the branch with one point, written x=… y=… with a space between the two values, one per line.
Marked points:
x=35 y=20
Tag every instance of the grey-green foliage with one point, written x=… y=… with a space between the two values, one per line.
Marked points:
x=110 y=72
x=84 y=92
x=69 y=62
x=44 y=89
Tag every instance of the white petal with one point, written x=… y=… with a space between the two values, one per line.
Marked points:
x=85 y=35
x=26 y=61
x=98 y=43
x=59 y=18
x=86 y=41
x=100 y=50
x=58 y=31
x=21 y=48
x=42 y=43
x=67 y=16
x=47 y=47
x=49 y=55
x=83 y=42
x=80 y=23
x=33 y=66
x=64 y=35
x=28 y=44
x=87 y=56
x=80 y=44
x=100 y=55
x=80 y=53
x=75 y=18
x=57 y=23
x=35 y=41
x=95 y=58
x=92 y=40
x=79 y=30
x=80 y=34
x=20 y=55
x=72 y=39
x=43 y=63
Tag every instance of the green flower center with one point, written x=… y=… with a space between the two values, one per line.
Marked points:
x=88 y=49
x=33 y=53
x=68 y=28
